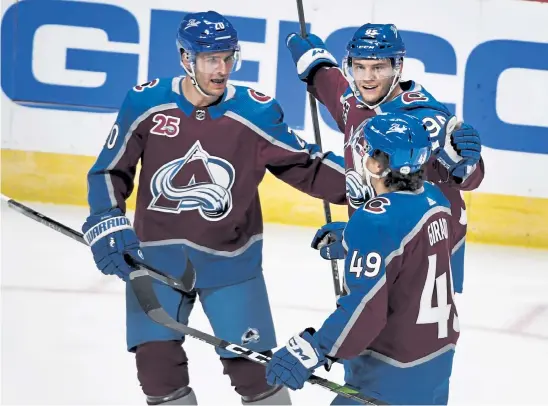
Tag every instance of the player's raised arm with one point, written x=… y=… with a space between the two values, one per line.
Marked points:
x=111 y=179
x=298 y=163
x=317 y=67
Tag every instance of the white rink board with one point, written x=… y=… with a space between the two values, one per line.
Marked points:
x=463 y=24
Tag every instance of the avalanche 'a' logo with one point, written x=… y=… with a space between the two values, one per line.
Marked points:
x=197 y=181
x=354 y=189
x=357 y=192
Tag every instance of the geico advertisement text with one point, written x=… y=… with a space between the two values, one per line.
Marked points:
x=103 y=76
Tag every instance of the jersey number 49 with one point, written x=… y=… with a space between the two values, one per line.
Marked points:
x=441 y=313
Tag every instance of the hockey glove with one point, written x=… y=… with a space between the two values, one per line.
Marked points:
x=110 y=236
x=308 y=54
x=293 y=364
x=462 y=149
x=329 y=240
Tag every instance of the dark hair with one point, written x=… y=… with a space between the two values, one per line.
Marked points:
x=397 y=181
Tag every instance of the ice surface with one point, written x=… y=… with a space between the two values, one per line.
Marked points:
x=63 y=321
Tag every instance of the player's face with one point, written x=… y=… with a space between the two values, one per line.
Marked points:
x=373 y=77
x=213 y=70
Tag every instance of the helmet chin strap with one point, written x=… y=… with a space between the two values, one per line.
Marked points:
x=368 y=176
x=192 y=75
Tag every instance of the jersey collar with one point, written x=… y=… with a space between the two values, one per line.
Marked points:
x=215 y=111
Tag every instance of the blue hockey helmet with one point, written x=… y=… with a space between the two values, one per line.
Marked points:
x=403 y=138
x=375 y=41
x=207 y=32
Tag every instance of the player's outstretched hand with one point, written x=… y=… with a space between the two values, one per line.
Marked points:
x=308 y=54
x=328 y=240
x=461 y=150
x=293 y=364
x=110 y=236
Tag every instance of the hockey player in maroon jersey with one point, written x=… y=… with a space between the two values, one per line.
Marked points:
x=397 y=327
x=204 y=146
x=370 y=84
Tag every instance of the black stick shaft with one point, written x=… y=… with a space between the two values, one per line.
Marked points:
x=318 y=141
x=141 y=283
x=142 y=286
x=185 y=286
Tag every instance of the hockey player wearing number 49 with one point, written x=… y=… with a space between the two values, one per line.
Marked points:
x=397 y=327
x=370 y=84
x=204 y=146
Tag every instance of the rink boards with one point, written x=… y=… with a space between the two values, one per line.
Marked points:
x=67 y=65
x=59 y=178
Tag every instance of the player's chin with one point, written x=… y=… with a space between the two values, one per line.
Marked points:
x=217 y=87
x=371 y=97
x=216 y=92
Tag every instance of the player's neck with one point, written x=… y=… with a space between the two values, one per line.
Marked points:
x=380 y=188
x=194 y=96
x=395 y=92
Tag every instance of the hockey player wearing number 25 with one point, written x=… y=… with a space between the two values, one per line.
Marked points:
x=204 y=146
x=370 y=83
x=397 y=327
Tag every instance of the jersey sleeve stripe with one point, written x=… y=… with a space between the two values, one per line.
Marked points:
x=355 y=315
x=122 y=150
x=259 y=131
x=398 y=364
x=415 y=231
x=458 y=245
x=264 y=134
x=333 y=165
x=226 y=254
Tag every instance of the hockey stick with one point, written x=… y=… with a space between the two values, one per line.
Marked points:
x=184 y=285
x=318 y=141
x=151 y=306
x=149 y=302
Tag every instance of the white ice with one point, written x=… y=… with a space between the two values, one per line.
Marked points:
x=63 y=321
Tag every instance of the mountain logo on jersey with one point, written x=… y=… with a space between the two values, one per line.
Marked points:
x=356 y=192
x=197 y=181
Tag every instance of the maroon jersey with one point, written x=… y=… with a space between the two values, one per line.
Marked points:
x=201 y=168
x=331 y=88
x=398 y=325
